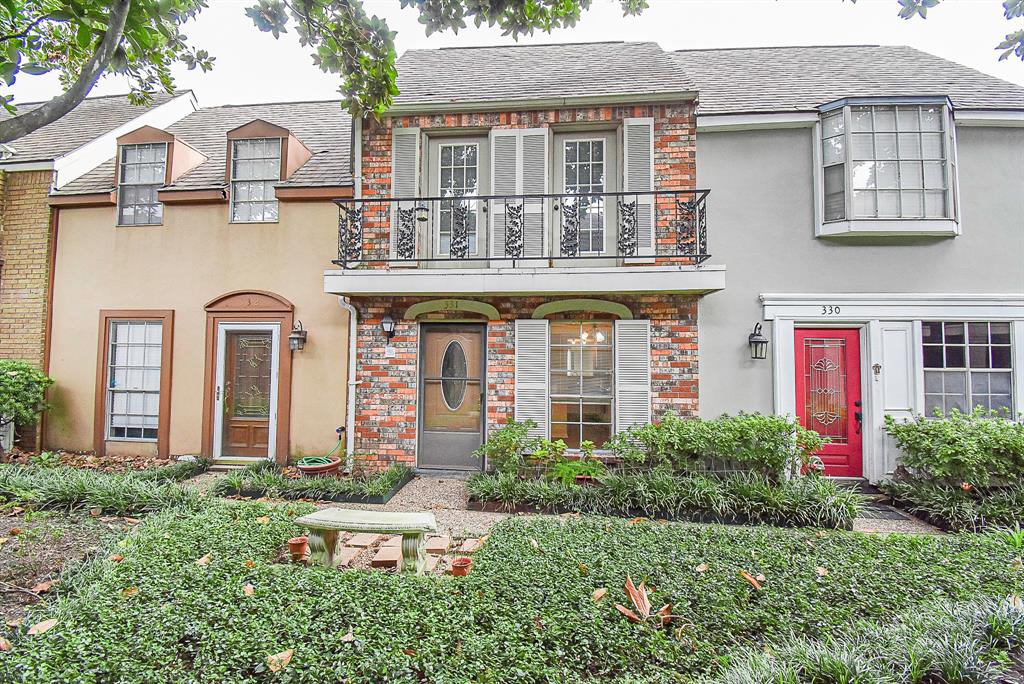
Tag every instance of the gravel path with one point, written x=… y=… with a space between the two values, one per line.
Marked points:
x=884 y=519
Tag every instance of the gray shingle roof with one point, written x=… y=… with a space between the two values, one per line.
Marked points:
x=324 y=127
x=749 y=80
x=520 y=72
x=86 y=122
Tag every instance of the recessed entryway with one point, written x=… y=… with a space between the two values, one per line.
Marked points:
x=245 y=395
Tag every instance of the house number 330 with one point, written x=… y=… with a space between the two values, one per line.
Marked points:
x=829 y=310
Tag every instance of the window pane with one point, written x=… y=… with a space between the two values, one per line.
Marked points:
x=932 y=332
x=910 y=146
x=887 y=175
x=860 y=119
x=1000 y=333
x=931 y=119
x=833 y=150
x=931 y=145
x=912 y=204
x=888 y=203
x=954 y=333
x=934 y=175
x=908 y=119
x=933 y=357
x=835 y=193
x=885 y=119
x=885 y=146
x=864 y=204
x=863 y=146
x=910 y=175
x=956 y=357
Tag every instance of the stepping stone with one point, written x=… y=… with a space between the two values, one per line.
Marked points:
x=347 y=555
x=470 y=545
x=387 y=557
x=393 y=541
x=363 y=540
x=438 y=545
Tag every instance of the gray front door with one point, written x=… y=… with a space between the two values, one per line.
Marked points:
x=451 y=395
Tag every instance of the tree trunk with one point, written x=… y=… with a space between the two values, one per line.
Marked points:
x=18 y=126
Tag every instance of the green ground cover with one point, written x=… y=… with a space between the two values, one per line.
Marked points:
x=176 y=608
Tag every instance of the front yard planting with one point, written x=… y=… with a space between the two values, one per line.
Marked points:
x=267 y=479
x=196 y=596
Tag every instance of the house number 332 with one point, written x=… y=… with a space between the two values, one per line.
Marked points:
x=829 y=310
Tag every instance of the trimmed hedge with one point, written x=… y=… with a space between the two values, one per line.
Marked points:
x=71 y=489
x=266 y=480
x=954 y=508
x=526 y=613
x=740 y=498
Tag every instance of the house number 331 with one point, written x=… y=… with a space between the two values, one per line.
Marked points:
x=829 y=310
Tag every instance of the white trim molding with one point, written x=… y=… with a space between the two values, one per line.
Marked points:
x=753 y=122
x=525 y=281
x=892 y=306
x=989 y=117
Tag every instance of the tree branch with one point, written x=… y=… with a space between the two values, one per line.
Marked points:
x=18 y=126
x=25 y=31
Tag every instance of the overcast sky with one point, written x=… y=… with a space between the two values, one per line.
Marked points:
x=254 y=67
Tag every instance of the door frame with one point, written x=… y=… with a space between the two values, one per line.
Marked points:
x=275 y=364
x=862 y=388
x=420 y=404
x=256 y=307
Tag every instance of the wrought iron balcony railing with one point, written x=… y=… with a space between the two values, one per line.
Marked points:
x=523 y=229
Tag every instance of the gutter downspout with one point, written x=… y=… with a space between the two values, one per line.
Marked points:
x=353 y=384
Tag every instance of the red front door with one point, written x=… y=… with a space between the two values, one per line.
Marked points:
x=828 y=395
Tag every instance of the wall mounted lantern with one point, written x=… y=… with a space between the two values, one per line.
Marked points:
x=758 y=343
x=297 y=337
x=387 y=324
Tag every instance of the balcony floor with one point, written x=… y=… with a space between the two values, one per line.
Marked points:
x=575 y=280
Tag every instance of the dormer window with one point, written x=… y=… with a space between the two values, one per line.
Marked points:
x=255 y=170
x=143 y=170
x=887 y=169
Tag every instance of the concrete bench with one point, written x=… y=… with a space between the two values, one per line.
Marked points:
x=327 y=524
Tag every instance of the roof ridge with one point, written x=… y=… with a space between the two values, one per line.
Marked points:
x=529 y=45
x=784 y=47
x=105 y=97
x=268 y=104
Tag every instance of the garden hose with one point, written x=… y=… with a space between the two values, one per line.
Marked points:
x=319 y=460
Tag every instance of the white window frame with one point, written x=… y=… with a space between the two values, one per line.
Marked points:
x=941 y=227
x=233 y=180
x=967 y=370
x=474 y=210
x=121 y=183
x=109 y=390
x=604 y=182
x=581 y=399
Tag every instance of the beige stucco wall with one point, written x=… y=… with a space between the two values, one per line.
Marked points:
x=193 y=258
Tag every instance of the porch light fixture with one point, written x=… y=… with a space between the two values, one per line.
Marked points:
x=758 y=343
x=297 y=337
x=387 y=324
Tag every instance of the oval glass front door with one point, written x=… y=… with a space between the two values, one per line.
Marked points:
x=453 y=375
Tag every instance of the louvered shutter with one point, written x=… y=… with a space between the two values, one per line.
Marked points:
x=504 y=181
x=534 y=181
x=632 y=374
x=405 y=175
x=638 y=176
x=531 y=377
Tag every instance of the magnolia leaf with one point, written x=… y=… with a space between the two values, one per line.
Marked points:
x=205 y=560
x=760 y=578
x=665 y=614
x=16 y=622
x=349 y=637
x=15 y=531
x=751 y=579
x=599 y=594
x=115 y=558
x=534 y=544
x=1016 y=602
x=250 y=564
x=627 y=612
x=538 y=624
x=638 y=596
x=4 y=540
x=409 y=651
x=129 y=591
x=248 y=589
x=1017 y=563
x=263 y=519
x=5 y=645
x=42 y=587
x=42 y=627
x=96 y=512
x=279 y=661
x=703 y=567
x=822 y=572
x=132 y=521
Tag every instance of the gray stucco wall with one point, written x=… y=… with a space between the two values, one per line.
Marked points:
x=761 y=226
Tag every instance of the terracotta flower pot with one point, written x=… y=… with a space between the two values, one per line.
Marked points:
x=297 y=547
x=323 y=470
x=587 y=481
x=461 y=566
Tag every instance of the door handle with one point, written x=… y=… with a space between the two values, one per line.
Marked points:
x=859 y=417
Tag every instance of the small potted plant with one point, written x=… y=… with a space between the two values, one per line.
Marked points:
x=319 y=466
x=461 y=566
x=297 y=547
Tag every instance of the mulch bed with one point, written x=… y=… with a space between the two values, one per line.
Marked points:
x=34 y=546
x=109 y=463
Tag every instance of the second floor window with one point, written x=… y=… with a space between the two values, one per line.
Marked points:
x=255 y=170
x=143 y=170
x=584 y=175
x=459 y=177
x=887 y=162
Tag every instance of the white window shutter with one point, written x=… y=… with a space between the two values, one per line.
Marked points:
x=534 y=181
x=504 y=181
x=405 y=177
x=638 y=176
x=531 y=377
x=632 y=374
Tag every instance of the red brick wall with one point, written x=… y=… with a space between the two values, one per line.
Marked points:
x=386 y=416
x=675 y=145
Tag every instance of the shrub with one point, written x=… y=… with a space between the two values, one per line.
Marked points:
x=959 y=508
x=22 y=393
x=976 y=447
x=769 y=445
x=740 y=497
x=175 y=472
x=506 y=447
